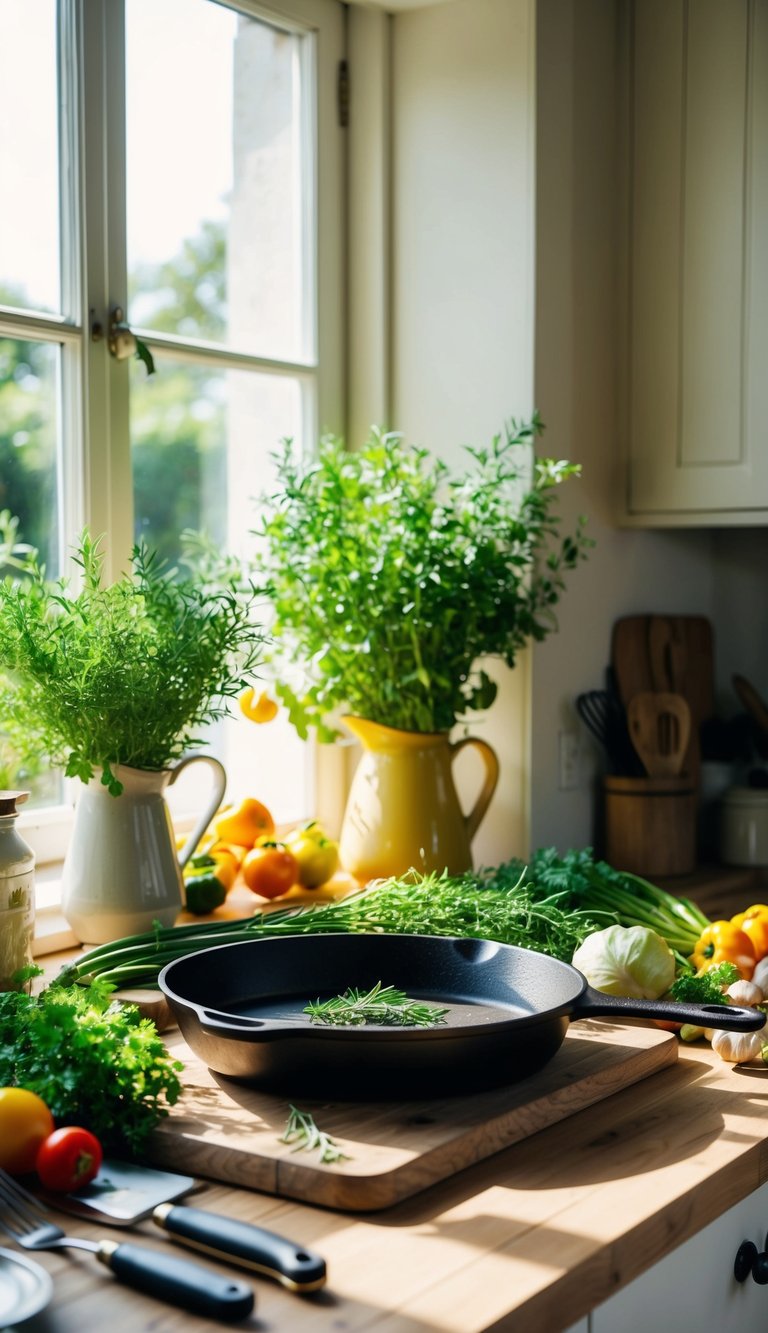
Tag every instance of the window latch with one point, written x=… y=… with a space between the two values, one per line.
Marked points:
x=123 y=343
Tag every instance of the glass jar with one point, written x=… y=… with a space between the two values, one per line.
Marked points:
x=17 y=894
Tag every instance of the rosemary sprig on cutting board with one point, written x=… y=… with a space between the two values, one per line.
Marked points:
x=383 y=1005
x=302 y=1130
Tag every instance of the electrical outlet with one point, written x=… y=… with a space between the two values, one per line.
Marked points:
x=568 y=744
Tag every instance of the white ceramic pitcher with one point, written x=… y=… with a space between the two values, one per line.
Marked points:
x=122 y=871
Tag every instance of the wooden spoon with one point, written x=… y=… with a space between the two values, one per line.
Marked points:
x=660 y=728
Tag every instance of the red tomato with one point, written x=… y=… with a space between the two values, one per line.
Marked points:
x=270 y=869
x=24 y=1122
x=68 y=1158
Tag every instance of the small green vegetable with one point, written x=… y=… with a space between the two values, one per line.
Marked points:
x=203 y=893
x=95 y=1063
x=302 y=1130
x=690 y=988
x=383 y=1005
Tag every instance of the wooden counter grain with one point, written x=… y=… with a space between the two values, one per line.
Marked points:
x=530 y=1239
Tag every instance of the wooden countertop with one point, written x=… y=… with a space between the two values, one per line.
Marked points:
x=531 y=1239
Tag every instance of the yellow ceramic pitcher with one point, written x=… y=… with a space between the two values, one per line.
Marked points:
x=403 y=810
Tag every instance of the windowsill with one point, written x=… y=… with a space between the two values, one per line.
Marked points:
x=52 y=932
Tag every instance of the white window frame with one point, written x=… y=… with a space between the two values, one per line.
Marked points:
x=95 y=456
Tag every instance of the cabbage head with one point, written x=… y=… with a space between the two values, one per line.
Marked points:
x=627 y=960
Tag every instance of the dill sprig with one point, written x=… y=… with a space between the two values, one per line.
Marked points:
x=302 y=1130
x=383 y=1005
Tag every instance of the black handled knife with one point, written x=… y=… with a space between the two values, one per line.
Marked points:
x=243 y=1243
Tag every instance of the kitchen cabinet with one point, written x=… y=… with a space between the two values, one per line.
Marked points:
x=694 y=1286
x=696 y=392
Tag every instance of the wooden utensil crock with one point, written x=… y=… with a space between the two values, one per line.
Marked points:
x=650 y=824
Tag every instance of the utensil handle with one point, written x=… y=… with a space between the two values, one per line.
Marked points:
x=214 y=801
x=180 y=1283
x=253 y=1247
x=730 y=1017
x=473 y=820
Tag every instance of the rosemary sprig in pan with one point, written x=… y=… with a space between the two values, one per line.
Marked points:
x=383 y=1005
x=302 y=1130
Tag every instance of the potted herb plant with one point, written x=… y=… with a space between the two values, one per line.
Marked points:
x=115 y=683
x=390 y=579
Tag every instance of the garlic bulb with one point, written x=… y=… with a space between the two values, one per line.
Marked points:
x=736 y=1047
x=745 y=992
x=760 y=975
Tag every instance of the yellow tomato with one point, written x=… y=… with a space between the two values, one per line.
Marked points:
x=25 y=1122
x=317 y=855
x=259 y=710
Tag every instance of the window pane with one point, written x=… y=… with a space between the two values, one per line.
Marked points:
x=202 y=439
x=201 y=444
x=29 y=373
x=215 y=222
x=29 y=170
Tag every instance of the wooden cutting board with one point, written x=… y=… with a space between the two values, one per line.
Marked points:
x=229 y=1132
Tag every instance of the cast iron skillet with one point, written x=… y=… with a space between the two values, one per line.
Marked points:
x=239 y=1007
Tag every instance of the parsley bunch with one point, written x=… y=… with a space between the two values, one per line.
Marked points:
x=95 y=1063
x=122 y=674
x=391 y=577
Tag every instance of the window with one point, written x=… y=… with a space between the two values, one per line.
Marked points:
x=177 y=167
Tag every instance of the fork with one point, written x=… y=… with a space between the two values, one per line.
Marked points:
x=178 y=1281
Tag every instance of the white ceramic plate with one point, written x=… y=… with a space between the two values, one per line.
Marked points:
x=25 y=1288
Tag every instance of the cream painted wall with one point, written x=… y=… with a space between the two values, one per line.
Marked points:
x=462 y=282
x=578 y=374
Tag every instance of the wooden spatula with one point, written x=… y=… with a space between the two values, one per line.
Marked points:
x=660 y=727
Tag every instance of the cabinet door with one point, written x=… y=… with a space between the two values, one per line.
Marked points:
x=698 y=283
x=694 y=1286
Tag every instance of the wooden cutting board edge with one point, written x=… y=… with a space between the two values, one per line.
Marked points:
x=602 y=1068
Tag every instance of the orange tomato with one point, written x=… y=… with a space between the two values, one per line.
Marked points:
x=25 y=1122
x=270 y=869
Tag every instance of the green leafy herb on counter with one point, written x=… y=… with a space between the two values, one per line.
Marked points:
x=94 y=1062
x=495 y=905
x=690 y=988
x=302 y=1130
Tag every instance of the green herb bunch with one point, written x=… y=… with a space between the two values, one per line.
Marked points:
x=94 y=1062
x=389 y=577
x=126 y=673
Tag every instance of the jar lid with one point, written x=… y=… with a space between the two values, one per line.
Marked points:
x=9 y=800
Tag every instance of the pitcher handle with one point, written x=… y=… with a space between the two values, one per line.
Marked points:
x=491 y=760
x=217 y=794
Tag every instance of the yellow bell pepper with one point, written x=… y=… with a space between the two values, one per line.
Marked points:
x=243 y=825
x=722 y=942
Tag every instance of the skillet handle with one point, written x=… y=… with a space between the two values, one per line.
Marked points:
x=241 y=1028
x=730 y=1017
